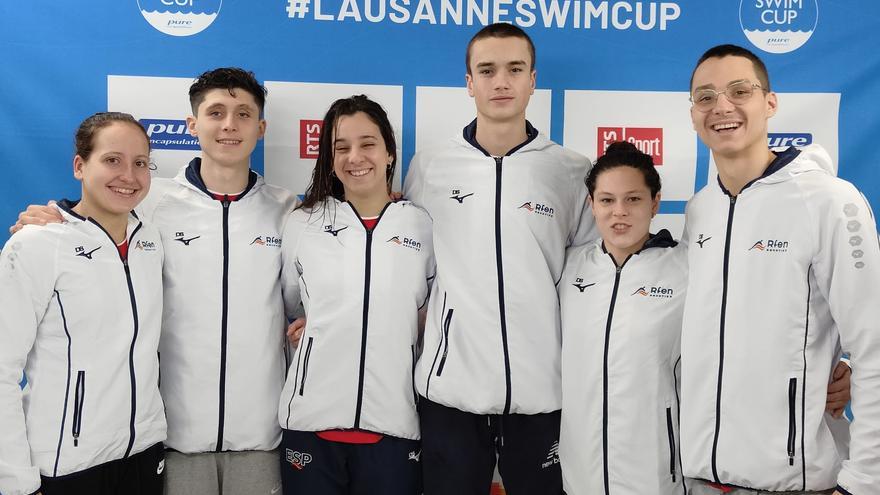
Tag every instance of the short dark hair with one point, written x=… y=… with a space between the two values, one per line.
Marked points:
x=625 y=154
x=499 y=30
x=324 y=183
x=84 y=139
x=728 y=50
x=228 y=78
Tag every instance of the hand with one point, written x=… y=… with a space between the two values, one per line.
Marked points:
x=295 y=331
x=37 y=215
x=395 y=195
x=838 y=390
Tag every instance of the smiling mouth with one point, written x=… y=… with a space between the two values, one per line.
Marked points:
x=359 y=173
x=620 y=227
x=229 y=141
x=726 y=126
x=123 y=191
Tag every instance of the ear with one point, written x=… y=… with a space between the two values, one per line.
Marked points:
x=78 y=163
x=655 y=205
x=534 y=77
x=469 y=79
x=191 y=126
x=263 y=125
x=772 y=104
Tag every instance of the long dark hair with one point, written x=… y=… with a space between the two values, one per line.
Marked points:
x=324 y=183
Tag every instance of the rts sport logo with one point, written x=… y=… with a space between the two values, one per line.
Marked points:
x=778 y=26
x=180 y=17
x=169 y=135
x=309 y=137
x=648 y=140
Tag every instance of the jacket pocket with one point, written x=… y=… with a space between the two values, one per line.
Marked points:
x=79 y=397
x=792 y=427
x=671 y=434
x=302 y=384
x=447 y=322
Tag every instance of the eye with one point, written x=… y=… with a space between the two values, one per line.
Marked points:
x=634 y=199
x=244 y=115
x=485 y=72
x=112 y=160
x=214 y=113
x=516 y=69
x=341 y=149
x=605 y=201
x=369 y=145
x=142 y=164
x=704 y=97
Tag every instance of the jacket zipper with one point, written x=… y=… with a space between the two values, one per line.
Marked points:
x=224 y=321
x=500 y=269
x=618 y=269
x=79 y=397
x=360 y=394
x=792 y=427
x=721 y=338
x=66 y=386
x=446 y=324
x=671 y=434
x=413 y=374
x=437 y=353
x=302 y=384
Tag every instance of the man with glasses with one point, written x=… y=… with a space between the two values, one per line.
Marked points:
x=784 y=275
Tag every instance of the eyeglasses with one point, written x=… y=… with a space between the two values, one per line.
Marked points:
x=737 y=93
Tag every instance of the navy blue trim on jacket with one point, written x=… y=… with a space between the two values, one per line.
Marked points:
x=470 y=135
x=194 y=177
x=782 y=159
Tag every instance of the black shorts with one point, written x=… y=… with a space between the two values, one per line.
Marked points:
x=139 y=474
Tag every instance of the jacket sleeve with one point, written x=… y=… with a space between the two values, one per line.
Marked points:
x=27 y=279
x=847 y=269
x=414 y=183
x=290 y=273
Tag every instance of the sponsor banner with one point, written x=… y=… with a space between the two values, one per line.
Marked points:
x=442 y=112
x=801 y=119
x=294 y=112
x=658 y=123
x=778 y=26
x=180 y=17
x=161 y=104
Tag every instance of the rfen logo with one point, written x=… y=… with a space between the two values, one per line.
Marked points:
x=784 y=140
x=309 y=137
x=169 y=135
x=648 y=140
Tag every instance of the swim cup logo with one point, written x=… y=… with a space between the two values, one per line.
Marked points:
x=778 y=26
x=180 y=17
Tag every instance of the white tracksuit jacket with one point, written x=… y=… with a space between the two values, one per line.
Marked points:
x=361 y=292
x=781 y=277
x=620 y=350
x=84 y=326
x=222 y=348
x=501 y=226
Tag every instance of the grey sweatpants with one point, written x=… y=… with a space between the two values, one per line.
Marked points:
x=223 y=473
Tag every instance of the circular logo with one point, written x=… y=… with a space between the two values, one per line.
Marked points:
x=778 y=26
x=180 y=17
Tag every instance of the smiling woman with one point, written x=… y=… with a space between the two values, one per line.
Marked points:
x=76 y=308
x=361 y=264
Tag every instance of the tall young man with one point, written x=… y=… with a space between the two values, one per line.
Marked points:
x=506 y=202
x=784 y=270
x=221 y=351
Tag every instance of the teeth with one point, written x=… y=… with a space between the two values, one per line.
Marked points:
x=359 y=173
x=729 y=125
x=121 y=190
x=228 y=141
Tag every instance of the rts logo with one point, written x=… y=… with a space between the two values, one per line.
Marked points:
x=656 y=291
x=180 y=17
x=406 y=242
x=269 y=241
x=649 y=140
x=772 y=246
x=169 y=135
x=778 y=26
x=784 y=140
x=309 y=137
x=538 y=209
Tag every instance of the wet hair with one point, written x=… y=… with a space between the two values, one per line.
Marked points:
x=499 y=30
x=230 y=79
x=84 y=139
x=722 y=51
x=625 y=154
x=324 y=183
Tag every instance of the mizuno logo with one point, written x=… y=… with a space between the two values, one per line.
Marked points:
x=581 y=287
x=415 y=455
x=186 y=242
x=701 y=240
x=86 y=254
x=329 y=229
x=460 y=197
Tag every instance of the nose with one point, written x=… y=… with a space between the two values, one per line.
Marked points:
x=501 y=80
x=724 y=107
x=619 y=209
x=229 y=122
x=128 y=172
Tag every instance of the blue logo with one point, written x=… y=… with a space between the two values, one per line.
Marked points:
x=169 y=135
x=180 y=17
x=778 y=26
x=784 y=140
